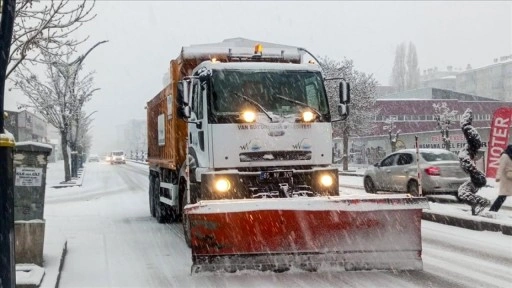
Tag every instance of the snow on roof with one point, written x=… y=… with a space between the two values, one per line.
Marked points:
x=259 y=66
x=240 y=46
x=33 y=143
x=7 y=137
x=29 y=274
x=334 y=203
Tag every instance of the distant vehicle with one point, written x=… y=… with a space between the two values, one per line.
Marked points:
x=117 y=157
x=397 y=172
x=94 y=158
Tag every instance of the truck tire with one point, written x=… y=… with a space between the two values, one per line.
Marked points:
x=194 y=188
x=162 y=211
x=151 y=197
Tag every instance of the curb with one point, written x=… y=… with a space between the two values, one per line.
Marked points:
x=477 y=225
x=61 y=264
x=349 y=174
x=81 y=172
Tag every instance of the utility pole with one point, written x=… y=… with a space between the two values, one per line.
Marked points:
x=7 y=261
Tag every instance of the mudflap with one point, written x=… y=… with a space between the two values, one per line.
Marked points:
x=381 y=232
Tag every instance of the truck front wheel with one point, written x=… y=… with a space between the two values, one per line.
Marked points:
x=194 y=188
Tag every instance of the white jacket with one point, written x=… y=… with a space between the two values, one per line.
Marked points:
x=505 y=184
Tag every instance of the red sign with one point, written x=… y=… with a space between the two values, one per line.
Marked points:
x=498 y=140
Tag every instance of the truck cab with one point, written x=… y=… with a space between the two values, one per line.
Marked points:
x=258 y=129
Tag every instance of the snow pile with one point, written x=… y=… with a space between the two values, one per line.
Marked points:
x=29 y=274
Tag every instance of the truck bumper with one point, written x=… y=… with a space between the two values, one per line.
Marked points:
x=282 y=183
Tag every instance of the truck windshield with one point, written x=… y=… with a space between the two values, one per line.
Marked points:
x=279 y=92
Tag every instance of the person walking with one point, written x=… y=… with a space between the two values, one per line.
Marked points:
x=504 y=177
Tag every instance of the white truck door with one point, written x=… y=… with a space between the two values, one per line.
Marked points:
x=198 y=138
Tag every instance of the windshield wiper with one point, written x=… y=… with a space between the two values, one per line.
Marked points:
x=299 y=103
x=255 y=103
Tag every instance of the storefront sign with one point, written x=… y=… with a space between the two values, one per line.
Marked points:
x=28 y=176
x=498 y=139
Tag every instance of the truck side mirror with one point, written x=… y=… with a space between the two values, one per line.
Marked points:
x=343 y=111
x=344 y=92
x=183 y=99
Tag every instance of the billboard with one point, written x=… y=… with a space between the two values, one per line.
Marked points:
x=498 y=138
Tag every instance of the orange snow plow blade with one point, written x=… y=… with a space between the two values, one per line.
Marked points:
x=369 y=232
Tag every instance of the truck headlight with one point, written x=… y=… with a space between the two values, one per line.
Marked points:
x=326 y=180
x=222 y=185
x=308 y=116
x=249 y=116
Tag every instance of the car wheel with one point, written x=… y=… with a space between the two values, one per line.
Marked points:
x=412 y=188
x=369 y=186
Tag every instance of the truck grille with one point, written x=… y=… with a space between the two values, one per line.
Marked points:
x=275 y=156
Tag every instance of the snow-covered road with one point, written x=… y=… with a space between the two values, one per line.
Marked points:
x=113 y=242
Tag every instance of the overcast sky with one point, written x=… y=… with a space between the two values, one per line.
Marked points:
x=145 y=35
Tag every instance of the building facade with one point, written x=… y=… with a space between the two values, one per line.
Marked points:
x=412 y=114
x=26 y=126
x=493 y=81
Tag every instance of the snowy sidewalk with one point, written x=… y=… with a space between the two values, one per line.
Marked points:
x=454 y=215
x=55 y=244
x=55 y=176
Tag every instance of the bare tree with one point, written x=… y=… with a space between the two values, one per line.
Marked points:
x=80 y=127
x=59 y=97
x=406 y=73
x=444 y=117
x=393 y=134
x=412 y=79
x=399 y=68
x=43 y=27
x=362 y=107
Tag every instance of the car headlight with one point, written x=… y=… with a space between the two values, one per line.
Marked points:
x=249 y=116
x=308 y=116
x=222 y=185
x=326 y=180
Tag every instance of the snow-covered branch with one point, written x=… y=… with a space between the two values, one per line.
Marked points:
x=44 y=27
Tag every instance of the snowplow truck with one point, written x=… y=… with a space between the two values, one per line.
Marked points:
x=240 y=151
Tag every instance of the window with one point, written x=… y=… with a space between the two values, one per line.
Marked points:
x=197 y=100
x=195 y=92
x=201 y=95
x=312 y=94
x=388 y=161
x=404 y=159
x=439 y=156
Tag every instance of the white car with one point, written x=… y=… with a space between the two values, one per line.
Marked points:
x=117 y=157
x=440 y=173
x=94 y=158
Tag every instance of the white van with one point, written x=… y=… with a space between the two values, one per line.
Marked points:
x=117 y=157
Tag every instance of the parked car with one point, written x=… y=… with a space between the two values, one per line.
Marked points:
x=397 y=172
x=94 y=158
